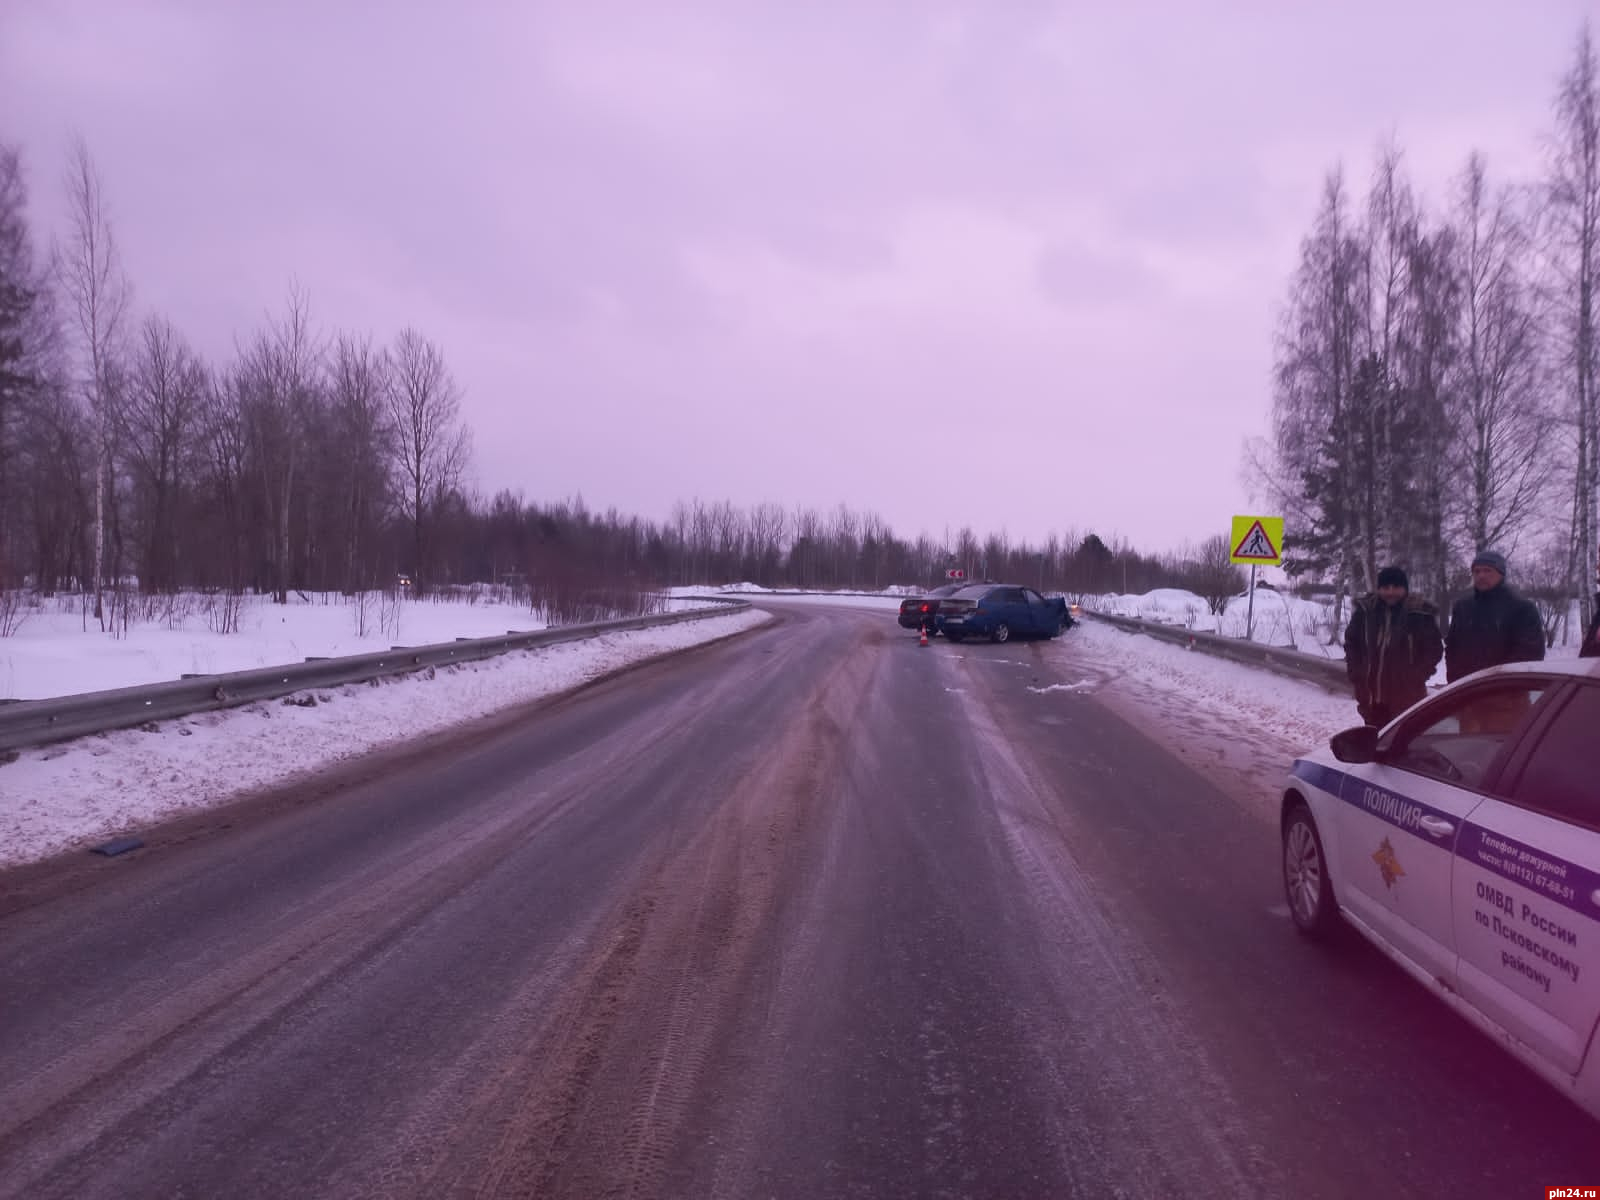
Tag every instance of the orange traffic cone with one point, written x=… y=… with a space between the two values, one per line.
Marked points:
x=923 y=640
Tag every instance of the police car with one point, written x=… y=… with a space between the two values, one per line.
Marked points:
x=1463 y=839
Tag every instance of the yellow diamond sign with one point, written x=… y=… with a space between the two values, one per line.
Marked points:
x=1257 y=540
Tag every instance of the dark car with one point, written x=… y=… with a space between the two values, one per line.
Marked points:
x=1000 y=612
x=917 y=611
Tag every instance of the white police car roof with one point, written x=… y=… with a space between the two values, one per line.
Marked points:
x=1557 y=666
x=1561 y=666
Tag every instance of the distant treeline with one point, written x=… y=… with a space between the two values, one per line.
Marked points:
x=314 y=460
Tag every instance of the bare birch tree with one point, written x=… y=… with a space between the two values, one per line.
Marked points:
x=281 y=382
x=26 y=339
x=844 y=530
x=1501 y=461
x=1391 y=222
x=1419 y=474
x=728 y=535
x=969 y=552
x=359 y=388
x=91 y=277
x=769 y=523
x=431 y=444
x=680 y=529
x=875 y=546
x=225 y=430
x=157 y=435
x=1315 y=435
x=1410 y=299
x=1574 y=187
x=806 y=550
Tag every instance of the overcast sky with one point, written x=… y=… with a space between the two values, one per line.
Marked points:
x=1006 y=264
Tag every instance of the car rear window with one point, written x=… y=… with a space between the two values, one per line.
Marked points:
x=1562 y=777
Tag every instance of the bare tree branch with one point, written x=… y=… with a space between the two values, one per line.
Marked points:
x=90 y=273
x=431 y=445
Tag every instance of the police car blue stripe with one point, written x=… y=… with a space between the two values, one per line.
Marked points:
x=1317 y=775
x=1558 y=881
x=1395 y=808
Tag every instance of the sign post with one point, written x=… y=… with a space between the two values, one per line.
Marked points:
x=1255 y=540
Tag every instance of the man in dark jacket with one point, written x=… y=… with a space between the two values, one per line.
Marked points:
x=1591 y=639
x=1493 y=624
x=1391 y=648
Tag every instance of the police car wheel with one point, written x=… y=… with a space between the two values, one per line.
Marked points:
x=1305 y=876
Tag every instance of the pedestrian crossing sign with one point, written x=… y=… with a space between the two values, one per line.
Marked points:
x=1257 y=540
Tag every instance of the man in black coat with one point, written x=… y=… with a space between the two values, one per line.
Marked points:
x=1591 y=639
x=1391 y=647
x=1492 y=624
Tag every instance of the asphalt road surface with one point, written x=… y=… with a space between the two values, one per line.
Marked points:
x=812 y=912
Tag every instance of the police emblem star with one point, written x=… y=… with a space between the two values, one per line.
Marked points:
x=1388 y=865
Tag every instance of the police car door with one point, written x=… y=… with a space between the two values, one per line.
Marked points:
x=1402 y=818
x=1527 y=888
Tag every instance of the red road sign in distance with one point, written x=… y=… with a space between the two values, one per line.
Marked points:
x=956 y=573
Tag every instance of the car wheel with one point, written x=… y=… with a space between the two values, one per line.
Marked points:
x=1002 y=632
x=1306 y=883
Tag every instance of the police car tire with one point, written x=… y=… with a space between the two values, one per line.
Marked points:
x=1325 y=918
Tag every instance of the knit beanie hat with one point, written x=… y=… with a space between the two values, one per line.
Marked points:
x=1491 y=558
x=1393 y=577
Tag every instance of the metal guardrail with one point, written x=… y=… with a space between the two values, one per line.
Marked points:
x=1327 y=672
x=38 y=722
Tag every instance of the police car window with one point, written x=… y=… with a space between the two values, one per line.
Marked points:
x=1561 y=776
x=1457 y=742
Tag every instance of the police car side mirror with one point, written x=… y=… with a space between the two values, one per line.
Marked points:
x=1358 y=745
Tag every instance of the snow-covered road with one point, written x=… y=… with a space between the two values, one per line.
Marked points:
x=1241 y=726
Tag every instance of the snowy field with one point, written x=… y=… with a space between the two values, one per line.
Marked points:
x=1279 y=620
x=58 y=652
